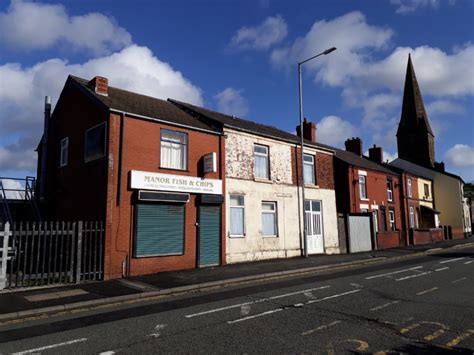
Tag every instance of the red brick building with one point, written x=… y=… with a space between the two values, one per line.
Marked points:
x=366 y=186
x=132 y=161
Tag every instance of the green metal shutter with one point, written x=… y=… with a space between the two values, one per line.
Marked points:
x=159 y=229
x=209 y=235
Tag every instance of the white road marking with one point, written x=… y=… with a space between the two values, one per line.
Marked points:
x=107 y=352
x=468 y=262
x=245 y=309
x=426 y=291
x=53 y=346
x=295 y=305
x=255 y=316
x=393 y=273
x=443 y=268
x=353 y=284
x=451 y=260
x=385 y=305
x=461 y=279
x=253 y=302
x=412 y=276
x=321 y=327
x=157 y=330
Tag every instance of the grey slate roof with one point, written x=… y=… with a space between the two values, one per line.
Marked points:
x=142 y=105
x=363 y=162
x=246 y=125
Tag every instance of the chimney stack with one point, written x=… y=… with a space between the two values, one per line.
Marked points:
x=376 y=154
x=309 y=130
x=44 y=147
x=354 y=145
x=439 y=166
x=100 y=85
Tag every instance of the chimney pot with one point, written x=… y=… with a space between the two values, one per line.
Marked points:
x=376 y=154
x=354 y=145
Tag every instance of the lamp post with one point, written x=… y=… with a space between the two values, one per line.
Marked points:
x=304 y=236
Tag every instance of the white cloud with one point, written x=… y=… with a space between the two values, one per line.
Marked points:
x=460 y=156
x=441 y=107
x=31 y=25
x=387 y=156
x=231 y=102
x=15 y=189
x=22 y=92
x=407 y=6
x=273 y=30
x=333 y=130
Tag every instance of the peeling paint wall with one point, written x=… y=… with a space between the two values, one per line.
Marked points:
x=280 y=189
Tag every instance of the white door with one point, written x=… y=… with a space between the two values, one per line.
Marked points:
x=314 y=227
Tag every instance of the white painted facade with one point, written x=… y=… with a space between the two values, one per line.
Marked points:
x=279 y=188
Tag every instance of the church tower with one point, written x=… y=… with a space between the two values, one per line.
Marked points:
x=415 y=139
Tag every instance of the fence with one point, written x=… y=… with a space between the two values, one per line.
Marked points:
x=46 y=253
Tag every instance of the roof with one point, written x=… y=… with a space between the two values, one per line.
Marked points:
x=362 y=162
x=142 y=105
x=420 y=170
x=413 y=108
x=246 y=125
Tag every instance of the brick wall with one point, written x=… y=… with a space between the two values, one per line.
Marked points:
x=324 y=167
x=390 y=239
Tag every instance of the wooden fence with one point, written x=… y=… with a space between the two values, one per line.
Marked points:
x=47 y=253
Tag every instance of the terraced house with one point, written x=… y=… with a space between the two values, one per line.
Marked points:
x=263 y=179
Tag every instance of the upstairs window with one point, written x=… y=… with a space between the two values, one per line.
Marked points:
x=308 y=169
x=63 y=157
x=362 y=187
x=427 y=190
x=174 y=150
x=95 y=142
x=410 y=191
x=389 y=190
x=261 y=166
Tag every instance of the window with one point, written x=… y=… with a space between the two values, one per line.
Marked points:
x=383 y=220
x=95 y=143
x=410 y=193
x=391 y=215
x=237 y=214
x=64 y=152
x=269 y=219
x=362 y=187
x=389 y=190
x=308 y=169
x=174 y=150
x=412 y=218
x=261 y=161
x=427 y=190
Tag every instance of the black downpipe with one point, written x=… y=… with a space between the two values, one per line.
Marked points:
x=119 y=182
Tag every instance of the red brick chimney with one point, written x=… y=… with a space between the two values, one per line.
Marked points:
x=354 y=145
x=100 y=85
x=376 y=154
x=309 y=130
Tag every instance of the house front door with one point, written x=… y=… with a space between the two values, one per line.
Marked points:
x=314 y=226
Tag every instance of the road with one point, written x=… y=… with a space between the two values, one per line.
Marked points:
x=416 y=305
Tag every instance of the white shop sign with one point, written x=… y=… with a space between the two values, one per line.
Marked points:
x=177 y=183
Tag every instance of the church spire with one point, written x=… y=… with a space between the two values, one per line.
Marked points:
x=415 y=138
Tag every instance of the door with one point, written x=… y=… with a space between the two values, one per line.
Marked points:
x=209 y=235
x=314 y=227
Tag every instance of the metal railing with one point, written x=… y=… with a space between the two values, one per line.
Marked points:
x=18 y=189
x=47 y=253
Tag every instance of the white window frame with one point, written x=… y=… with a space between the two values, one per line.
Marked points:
x=184 y=164
x=426 y=187
x=243 y=215
x=64 y=152
x=267 y=158
x=363 y=196
x=391 y=219
x=309 y=164
x=274 y=212
x=389 y=190
x=409 y=188
x=412 y=217
x=86 y=159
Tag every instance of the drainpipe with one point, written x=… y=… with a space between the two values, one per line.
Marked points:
x=44 y=146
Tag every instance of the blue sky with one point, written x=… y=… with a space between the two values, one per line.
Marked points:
x=240 y=57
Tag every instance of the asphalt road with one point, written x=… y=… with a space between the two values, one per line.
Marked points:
x=419 y=305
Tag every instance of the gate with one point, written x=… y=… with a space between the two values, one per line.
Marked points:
x=359 y=233
x=48 y=253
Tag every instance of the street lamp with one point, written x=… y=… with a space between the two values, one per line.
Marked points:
x=327 y=51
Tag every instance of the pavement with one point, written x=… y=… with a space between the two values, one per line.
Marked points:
x=19 y=303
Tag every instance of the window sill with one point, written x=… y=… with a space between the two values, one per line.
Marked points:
x=173 y=169
x=364 y=199
x=311 y=186
x=265 y=181
x=236 y=236
x=269 y=236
